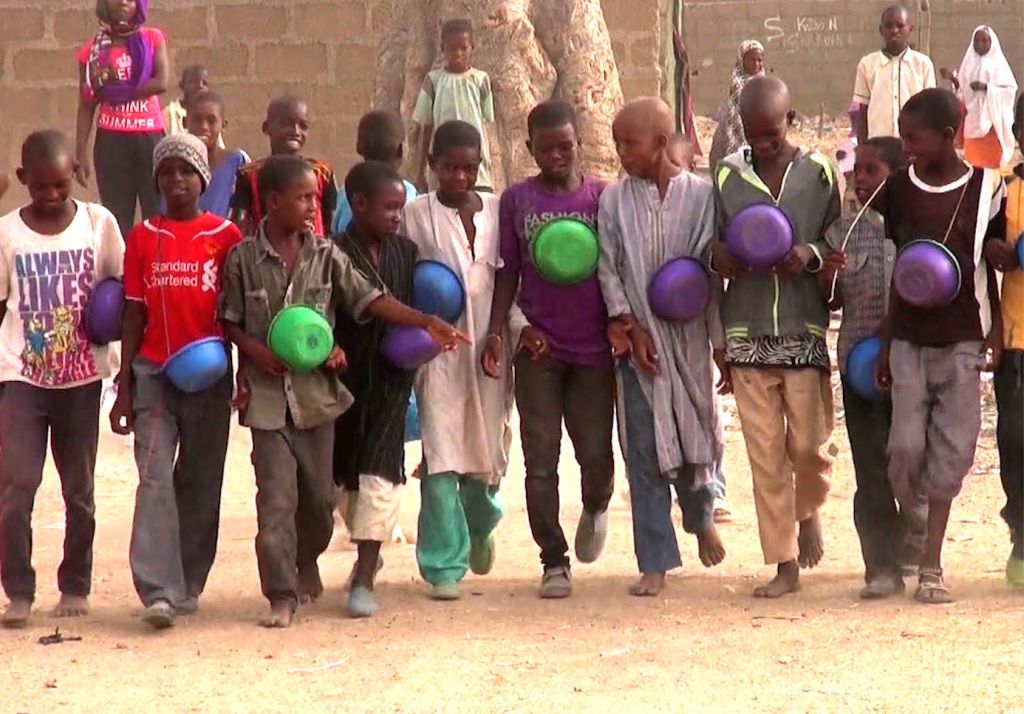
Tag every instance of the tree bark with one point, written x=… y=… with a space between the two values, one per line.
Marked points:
x=533 y=50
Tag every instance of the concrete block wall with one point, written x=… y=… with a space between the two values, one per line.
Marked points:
x=815 y=44
x=322 y=50
x=325 y=51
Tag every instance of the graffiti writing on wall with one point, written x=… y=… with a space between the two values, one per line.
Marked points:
x=805 y=32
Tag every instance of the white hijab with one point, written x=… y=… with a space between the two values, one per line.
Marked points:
x=991 y=109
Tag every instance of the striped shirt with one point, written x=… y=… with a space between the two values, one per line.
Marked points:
x=369 y=437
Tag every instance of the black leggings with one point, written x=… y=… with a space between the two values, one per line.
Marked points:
x=124 y=174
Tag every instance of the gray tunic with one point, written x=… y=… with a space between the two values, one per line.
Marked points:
x=639 y=232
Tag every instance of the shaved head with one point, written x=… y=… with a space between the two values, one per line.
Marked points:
x=895 y=11
x=765 y=96
x=281 y=106
x=651 y=113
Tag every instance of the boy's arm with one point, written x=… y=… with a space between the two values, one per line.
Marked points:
x=824 y=244
x=329 y=202
x=861 y=96
x=423 y=115
x=996 y=231
x=240 y=212
x=506 y=282
x=610 y=244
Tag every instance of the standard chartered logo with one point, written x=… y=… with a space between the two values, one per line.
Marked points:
x=210 y=276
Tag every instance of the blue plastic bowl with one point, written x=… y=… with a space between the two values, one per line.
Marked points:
x=103 y=312
x=198 y=365
x=437 y=290
x=1020 y=251
x=860 y=369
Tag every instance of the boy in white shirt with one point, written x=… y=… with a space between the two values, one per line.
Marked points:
x=886 y=79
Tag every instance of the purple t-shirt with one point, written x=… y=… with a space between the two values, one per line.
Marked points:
x=573 y=318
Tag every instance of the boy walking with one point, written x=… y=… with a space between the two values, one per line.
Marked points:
x=292 y=414
x=668 y=418
x=886 y=79
x=287 y=128
x=369 y=453
x=563 y=362
x=932 y=358
x=172 y=274
x=775 y=332
x=53 y=253
x=1009 y=381
x=456 y=92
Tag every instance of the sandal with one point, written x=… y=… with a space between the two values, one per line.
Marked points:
x=931 y=589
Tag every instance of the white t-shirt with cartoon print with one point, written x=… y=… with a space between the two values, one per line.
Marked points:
x=47 y=281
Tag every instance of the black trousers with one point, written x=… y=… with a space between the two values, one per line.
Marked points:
x=1009 y=387
x=124 y=174
x=69 y=419
x=548 y=391
x=888 y=539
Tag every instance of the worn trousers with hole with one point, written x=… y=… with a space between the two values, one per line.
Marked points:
x=786 y=417
x=181 y=442
x=295 y=497
x=650 y=493
x=1009 y=386
x=890 y=536
x=453 y=509
x=69 y=419
x=549 y=391
x=124 y=174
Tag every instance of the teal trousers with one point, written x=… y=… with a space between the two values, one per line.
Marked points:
x=453 y=509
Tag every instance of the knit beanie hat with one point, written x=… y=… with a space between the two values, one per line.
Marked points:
x=186 y=147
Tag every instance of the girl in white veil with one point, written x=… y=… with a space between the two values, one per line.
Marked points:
x=986 y=85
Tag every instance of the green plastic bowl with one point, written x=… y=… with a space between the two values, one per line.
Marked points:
x=565 y=251
x=301 y=337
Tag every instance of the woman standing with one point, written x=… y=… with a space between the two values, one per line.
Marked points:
x=986 y=86
x=729 y=134
x=122 y=70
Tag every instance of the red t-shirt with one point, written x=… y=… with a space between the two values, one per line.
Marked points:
x=139 y=115
x=174 y=268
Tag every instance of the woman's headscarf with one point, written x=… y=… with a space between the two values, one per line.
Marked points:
x=729 y=136
x=100 y=75
x=993 y=108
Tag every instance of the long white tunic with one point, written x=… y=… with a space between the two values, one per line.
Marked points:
x=464 y=415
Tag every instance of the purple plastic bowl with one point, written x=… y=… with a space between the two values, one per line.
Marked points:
x=679 y=291
x=103 y=312
x=760 y=236
x=409 y=348
x=926 y=274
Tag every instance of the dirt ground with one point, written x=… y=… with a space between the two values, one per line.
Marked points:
x=706 y=645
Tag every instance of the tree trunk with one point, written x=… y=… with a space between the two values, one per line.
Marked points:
x=533 y=50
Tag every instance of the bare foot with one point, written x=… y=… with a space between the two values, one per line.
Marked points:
x=785 y=582
x=281 y=614
x=71 y=606
x=649 y=585
x=812 y=545
x=16 y=614
x=310 y=586
x=709 y=547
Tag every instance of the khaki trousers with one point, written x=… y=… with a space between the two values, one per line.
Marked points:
x=787 y=418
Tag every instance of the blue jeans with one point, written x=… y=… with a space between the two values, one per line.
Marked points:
x=654 y=536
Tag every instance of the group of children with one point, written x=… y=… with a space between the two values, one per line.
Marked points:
x=333 y=437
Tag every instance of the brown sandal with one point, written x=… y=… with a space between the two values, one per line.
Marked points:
x=931 y=588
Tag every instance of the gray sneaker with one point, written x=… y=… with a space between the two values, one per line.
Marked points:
x=159 y=615
x=556 y=583
x=591 y=534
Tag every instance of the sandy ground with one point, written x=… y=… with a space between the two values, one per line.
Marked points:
x=706 y=645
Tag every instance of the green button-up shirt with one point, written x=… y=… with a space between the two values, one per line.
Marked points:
x=256 y=288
